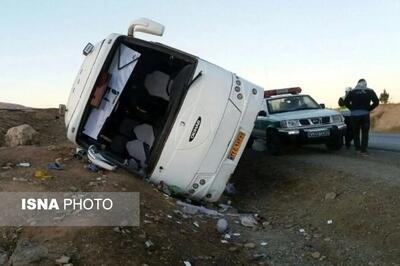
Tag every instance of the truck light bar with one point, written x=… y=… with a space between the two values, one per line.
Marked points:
x=294 y=90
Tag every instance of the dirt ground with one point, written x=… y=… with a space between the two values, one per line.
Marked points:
x=318 y=208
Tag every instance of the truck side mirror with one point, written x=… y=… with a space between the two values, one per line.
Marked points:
x=262 y=113
x=147 y=26
x=322 y=105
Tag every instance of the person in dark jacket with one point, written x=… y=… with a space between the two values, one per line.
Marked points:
x=348 y=135
x=361 y=101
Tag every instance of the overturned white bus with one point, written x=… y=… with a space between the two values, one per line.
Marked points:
x=161 y=113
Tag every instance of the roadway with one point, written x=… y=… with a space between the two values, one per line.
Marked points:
x=384 y=141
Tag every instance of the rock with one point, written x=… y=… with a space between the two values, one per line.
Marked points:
x=63 y=260
x=21 y=135
x=3 y=257
x=148 y=244
x=248 y=220
x=73 y=188
x=316 y=255
x=28 y=252
x=249 y=245
x=330 y=196
x=222 y=225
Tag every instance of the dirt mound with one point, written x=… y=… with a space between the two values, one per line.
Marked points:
x=46 y=121
x=385 y=118
x=12 y=106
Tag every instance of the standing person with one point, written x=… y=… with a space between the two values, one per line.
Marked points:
x=348 y=137
x=361 y=101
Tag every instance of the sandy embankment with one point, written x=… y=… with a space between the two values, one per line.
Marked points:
x=386 y=118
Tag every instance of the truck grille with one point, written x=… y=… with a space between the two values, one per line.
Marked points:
x=315 y=121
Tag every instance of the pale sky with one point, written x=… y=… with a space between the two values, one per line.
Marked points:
x=321 y=46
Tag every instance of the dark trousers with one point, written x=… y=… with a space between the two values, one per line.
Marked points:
x=360 y=123
x=348 y=136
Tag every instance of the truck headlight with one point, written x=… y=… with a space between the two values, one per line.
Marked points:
x=290 y=123
x=336 y=119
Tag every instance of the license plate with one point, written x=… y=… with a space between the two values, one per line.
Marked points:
x=318 y=134
x=236 y=145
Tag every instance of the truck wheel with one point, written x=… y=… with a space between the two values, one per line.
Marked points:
x=335 y=144
x=274 y=146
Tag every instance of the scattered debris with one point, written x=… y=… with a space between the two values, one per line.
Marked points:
x=266 y=223
x=73 y=188
x=42 y=175
x=28 y=252
x=59 y=218
x=316 y=255
x=3 y=257
x=232 y=248
x=148 y=243
x=193 y=209
x=19 y=179
x=330 y=196
x=24 y=164
x=55 y=166
x=79 y=153
x=63 y=260
x=7 y=166
x=249 y=245
x=92 y=167
x=230 y=189
x=248 y=220
x=187 y=263
x=51 y=147
x=222 y=225
x=196 y=224
x=224 y=207
x=169 y=190
x=259 y=255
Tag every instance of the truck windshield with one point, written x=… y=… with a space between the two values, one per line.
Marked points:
x=291 y=103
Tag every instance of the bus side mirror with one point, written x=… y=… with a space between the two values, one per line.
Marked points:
x=262 y=113
x=322 y=105
x=145 y=25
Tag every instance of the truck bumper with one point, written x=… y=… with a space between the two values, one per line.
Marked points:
x=311 y=135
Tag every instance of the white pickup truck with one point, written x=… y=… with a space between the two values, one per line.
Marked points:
x=161 y=113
